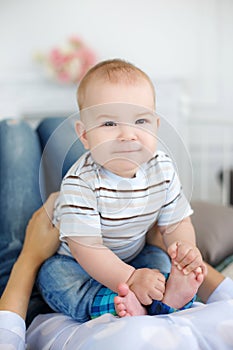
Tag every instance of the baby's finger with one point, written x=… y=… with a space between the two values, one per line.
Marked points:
x=188 y=258
x=182 y=252
x=192 y=266
x=202 y=269
x=145 y=296
x=172 y=250
x=159 y=276
x=156 y=294
x=145 y=299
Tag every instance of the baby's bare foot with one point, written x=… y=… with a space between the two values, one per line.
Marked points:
x=181 y=288
x=126 y=303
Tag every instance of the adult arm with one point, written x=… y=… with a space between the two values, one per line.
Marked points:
x=41 y=241
x=212 y=280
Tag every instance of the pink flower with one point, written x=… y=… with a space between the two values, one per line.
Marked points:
x=69 y=64
x=75 y=40
x=63 y=76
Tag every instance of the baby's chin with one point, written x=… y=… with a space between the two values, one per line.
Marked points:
x=123 y=168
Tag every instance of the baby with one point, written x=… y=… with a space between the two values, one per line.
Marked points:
x=120 y=188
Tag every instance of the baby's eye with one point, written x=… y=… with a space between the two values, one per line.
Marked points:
x=109 y=123
x=141 y=121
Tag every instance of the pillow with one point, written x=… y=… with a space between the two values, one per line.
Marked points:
x=214 y=230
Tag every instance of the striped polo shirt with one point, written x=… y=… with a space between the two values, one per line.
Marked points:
x=95 y=202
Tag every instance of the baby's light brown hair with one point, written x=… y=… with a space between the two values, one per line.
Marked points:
x=114 y=71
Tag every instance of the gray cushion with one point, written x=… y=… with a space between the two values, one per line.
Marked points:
x=214 y=230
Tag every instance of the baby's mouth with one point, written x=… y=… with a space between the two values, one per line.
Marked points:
x=128 y=148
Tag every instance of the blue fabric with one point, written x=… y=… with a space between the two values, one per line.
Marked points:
x=19 y=189
x=159 y=308
x=66 y=287
x=20 y=155
x=153 y=258
x=32 y=165
x=60 y=149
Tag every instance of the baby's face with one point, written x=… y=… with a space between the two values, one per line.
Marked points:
x=120 y=125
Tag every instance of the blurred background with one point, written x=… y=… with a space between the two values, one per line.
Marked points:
x=185 y=46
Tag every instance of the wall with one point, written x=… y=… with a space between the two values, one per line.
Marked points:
x=189 y=40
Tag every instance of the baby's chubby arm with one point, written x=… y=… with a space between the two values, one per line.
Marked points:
x=180 y=241
x=99 y=261
x=107 y=268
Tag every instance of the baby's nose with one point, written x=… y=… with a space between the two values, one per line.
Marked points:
x=127 y=132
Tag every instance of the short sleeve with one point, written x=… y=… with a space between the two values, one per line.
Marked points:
x=76 y=209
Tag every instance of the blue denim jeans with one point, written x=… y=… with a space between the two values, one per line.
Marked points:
x=67 y=288
x=23 y=189
x=20 y=155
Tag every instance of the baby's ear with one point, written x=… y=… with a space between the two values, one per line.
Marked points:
x=81 y=131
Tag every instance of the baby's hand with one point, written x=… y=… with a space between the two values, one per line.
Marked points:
x=185 y=256
x=147 y=285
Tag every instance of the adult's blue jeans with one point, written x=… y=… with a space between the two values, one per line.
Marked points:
x=25 y=182
x=20 y=155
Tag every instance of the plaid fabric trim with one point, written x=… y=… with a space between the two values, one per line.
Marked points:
x=103 y=303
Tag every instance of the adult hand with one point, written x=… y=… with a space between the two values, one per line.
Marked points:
x=41 y=238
